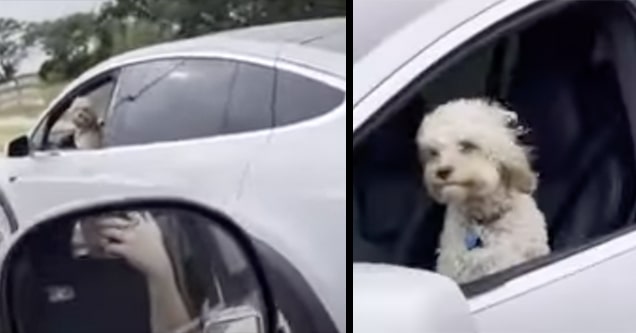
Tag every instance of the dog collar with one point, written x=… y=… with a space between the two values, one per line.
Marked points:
x=472 y=240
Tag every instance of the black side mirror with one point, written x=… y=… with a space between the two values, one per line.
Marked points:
x=19 y=147
x=151 y=266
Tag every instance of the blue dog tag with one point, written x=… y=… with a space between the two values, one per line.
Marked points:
x=472 y=240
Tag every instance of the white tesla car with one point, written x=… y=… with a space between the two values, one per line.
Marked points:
x=567 y=68
x=251 y=122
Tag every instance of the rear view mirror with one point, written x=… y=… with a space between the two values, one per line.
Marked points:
x=142 y=268
x=19 y=147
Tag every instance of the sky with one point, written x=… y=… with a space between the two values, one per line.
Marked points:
x=42 y=10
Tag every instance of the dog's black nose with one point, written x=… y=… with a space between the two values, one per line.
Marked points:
x=444 y=172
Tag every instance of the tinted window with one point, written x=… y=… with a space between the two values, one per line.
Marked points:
x=172 y=100
x=299 y=98
x=251 y=105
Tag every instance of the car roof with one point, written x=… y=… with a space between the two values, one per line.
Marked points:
x=316 y=44
x=390 y=33
x=376 y=20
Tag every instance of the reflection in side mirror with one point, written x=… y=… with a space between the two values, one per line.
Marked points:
x=19 y=147
x=141 y=269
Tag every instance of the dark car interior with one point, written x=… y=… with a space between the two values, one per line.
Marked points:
x=570 y=75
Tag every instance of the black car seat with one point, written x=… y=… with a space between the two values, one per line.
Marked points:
x=50 y=291
x=573 y=104
x=390 y=199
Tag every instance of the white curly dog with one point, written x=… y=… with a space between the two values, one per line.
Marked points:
x=475 y=165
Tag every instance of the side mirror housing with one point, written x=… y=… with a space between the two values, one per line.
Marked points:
x=19 y=147
x=395 y=299
x=135 y=266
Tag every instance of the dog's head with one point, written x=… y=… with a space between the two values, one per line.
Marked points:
x=470 y=149
x=82 y=114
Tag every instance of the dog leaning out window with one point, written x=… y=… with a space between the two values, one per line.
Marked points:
x=474 y=164
x=87 y=127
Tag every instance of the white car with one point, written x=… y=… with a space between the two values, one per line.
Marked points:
x=251 y=122
x=567 y=68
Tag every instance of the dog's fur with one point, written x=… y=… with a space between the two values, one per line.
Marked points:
x=88 y=127
x=475 y=165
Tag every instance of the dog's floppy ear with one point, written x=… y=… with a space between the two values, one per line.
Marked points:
x=517 y=172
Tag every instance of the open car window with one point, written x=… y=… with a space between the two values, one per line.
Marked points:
x=55 y=132
x=100 y=100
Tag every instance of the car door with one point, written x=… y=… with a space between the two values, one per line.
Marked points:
x=583 y=290
x=298 y=185
x=192 y=123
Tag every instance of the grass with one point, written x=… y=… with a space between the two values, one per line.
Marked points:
x=9 y=133
x=18 y=119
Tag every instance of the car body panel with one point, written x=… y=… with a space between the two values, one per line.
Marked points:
x=565 y=296
x=289 y=189
x=198 y=160
x=36 y=199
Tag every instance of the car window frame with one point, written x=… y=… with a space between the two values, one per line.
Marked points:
x=207 y=56
x=113 y=65
x=395 y=92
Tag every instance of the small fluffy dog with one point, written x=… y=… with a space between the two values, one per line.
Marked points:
x=88 y=127
x=475 y=165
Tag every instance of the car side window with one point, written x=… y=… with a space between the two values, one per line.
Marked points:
x=300 y=98
x=171 y=100
x=251 y=105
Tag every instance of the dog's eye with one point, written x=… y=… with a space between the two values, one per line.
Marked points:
x=467 y=146
x=430 y=153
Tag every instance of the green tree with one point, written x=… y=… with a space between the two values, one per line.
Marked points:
x=69 y=42
x=187 y=18
x=12 y=48
x=78 y=41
